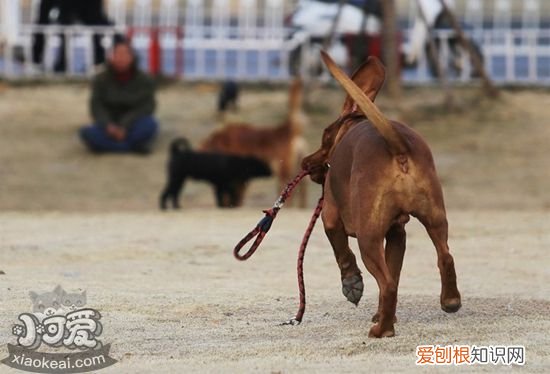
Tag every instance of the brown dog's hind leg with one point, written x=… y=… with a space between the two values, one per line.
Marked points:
x=395 y=251
x=450 y=297
x=352 y=282
x=372 y=252
x=435 y=222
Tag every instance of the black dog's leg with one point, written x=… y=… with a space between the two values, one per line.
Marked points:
x=163 y=198
x=236 y=192
x=219 y=195
x=163 y=201
x=233 y=196
x=223 y=195
x=176 y=194
x=222 y=104
x=172 y=190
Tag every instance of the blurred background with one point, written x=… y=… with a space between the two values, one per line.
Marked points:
x=272 y=39
x=475 y=88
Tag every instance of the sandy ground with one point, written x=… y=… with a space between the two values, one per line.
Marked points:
x=173 y=298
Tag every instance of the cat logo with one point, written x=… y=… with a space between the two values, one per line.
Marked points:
x=59 y=319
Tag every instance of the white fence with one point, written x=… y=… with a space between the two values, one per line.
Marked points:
x=197 y=39
x=248 y=39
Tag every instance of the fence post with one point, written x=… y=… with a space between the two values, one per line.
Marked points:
x=9 y=20
x=194 y=30
x=221 y=15
x=510 y=57
x=473 y=15
x=9 y=30
x=169 y=38
x=142 y=37
x=273 y=27
x=503 y=14
x=274 y=19
x=531 y=17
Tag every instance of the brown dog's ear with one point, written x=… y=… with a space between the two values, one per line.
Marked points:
x=369 y=77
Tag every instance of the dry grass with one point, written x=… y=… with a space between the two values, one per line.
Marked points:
x=173 y=299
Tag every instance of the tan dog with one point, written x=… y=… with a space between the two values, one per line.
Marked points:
x=282 y=147
x=377 y=173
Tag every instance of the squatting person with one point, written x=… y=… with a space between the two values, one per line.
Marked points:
x=122 y=106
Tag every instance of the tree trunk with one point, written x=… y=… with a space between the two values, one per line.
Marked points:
x=390 y=50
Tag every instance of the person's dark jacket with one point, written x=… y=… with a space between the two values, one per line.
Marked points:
x=121 y=101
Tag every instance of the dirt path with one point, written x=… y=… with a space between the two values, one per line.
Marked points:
x=174 y=300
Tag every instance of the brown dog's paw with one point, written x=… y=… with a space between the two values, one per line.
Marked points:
x=376 y=331
x=451 y=305
x=352 y=288
x=376 y=318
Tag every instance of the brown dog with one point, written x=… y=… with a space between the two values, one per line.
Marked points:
x=282 y=147
x=377 y=173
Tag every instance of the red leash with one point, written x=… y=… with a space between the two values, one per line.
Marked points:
x=263 y=227
x=300 y=266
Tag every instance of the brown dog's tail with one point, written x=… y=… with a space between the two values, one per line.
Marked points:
x=296 y=116
x=394 y=140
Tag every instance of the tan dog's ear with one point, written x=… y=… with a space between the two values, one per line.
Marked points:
x=369 y=77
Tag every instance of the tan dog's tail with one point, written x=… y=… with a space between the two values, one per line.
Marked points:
x=395 y=142
x=296 y=116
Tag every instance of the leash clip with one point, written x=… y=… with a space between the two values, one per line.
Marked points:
x=278 y=204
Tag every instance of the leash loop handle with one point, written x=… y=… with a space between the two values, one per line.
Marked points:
x=259 y=232
x=265 y=223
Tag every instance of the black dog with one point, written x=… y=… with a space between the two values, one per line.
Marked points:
x=229 y=174
x=229 y=94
